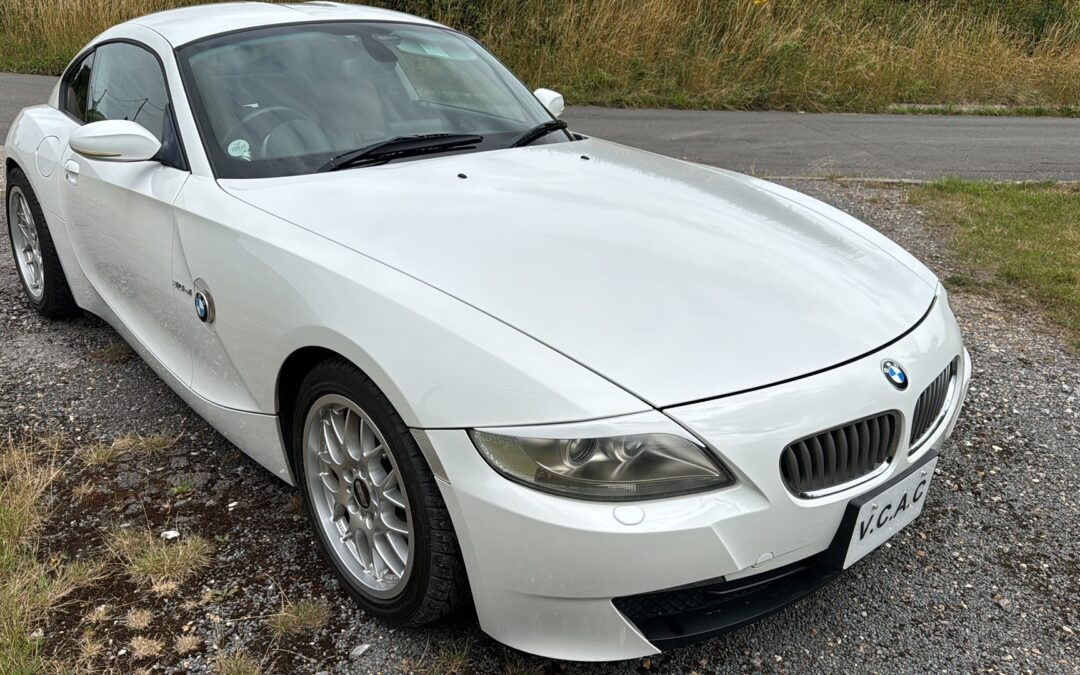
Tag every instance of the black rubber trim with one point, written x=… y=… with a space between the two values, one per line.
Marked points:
x=688 y=614
x=724 y=606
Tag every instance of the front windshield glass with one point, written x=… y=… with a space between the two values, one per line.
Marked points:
x=283 y=100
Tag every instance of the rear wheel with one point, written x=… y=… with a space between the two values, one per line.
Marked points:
x=36 y=261
x=376 y=510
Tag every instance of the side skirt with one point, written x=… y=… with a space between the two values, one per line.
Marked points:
x=256 y=434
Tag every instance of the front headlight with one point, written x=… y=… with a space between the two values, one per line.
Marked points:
x=617 y=467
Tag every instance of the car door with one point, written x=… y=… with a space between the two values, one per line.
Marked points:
x=120 y=214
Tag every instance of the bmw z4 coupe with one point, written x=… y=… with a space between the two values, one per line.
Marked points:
x=619 y=401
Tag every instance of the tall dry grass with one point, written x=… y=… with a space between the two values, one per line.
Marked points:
x=794 y=54
x=30 y=589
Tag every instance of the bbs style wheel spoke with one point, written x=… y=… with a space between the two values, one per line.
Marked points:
x=27 y=246
x=386 y=553
x=360 y=499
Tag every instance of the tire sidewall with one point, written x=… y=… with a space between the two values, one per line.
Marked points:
x=331 y=380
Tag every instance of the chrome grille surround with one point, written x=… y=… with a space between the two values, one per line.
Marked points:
x=841 y=457
x=933 y=405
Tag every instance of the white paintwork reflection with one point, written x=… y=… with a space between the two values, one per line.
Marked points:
x=674 y=281
x=581 y=287
x=539 y=594
x=552 y=100
x=114 y=141
x=441 y=362
x=48 y=152
x=120 y=219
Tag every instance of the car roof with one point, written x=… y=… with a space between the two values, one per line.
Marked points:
x=187 y=24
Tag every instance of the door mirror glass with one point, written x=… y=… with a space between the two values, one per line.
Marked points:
x=552 y=100
x=114 y=141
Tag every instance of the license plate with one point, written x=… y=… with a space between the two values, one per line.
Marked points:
x=889 y=511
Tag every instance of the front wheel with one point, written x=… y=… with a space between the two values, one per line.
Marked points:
x=372 y=500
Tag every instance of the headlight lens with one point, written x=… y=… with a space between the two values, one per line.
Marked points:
x=613 y=468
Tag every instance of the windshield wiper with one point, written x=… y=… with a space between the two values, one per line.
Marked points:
x=536 y=132
x=400 y=146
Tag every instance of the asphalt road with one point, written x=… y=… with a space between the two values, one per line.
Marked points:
x=793 y=144
x=866 y=146
x=18 y=92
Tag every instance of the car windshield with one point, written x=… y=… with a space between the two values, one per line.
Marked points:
x=284 y=100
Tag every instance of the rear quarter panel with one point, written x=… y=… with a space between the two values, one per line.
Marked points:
x=35 y=143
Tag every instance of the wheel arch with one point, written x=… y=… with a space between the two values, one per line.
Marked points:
x=291 y=373
x=10 y=165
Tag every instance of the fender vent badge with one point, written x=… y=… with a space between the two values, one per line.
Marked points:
x=204 y=302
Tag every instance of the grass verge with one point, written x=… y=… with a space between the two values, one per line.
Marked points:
x=985 y=110
x=114 y=354
x=29 y=589
x=854 y=55
x=1021 y=240
x=453 y=658
x=156 y=563
x=100 y=454
x=301 y=617
x=237 y=663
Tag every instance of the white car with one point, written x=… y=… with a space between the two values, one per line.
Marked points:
x=623 y=401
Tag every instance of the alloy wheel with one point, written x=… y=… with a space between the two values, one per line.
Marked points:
x=359 y=495
x=24 y=238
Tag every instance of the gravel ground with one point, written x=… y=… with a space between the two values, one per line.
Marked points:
x=987 y=579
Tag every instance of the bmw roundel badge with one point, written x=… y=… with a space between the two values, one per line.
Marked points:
x=895 y=374
x=204 y=302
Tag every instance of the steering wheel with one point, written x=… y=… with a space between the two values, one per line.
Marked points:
x=285 y=114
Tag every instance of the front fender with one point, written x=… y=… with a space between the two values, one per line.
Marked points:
x=279 y=288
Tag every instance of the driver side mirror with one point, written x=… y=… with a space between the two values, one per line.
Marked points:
x=114 y=141
x=552 y=100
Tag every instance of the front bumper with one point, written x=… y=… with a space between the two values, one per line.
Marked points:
x=680 y=616
x=548 y=573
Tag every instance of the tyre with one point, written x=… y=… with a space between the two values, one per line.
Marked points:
x=36 y=261
x=372 y=500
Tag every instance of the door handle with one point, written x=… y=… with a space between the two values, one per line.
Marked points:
x=71 y=172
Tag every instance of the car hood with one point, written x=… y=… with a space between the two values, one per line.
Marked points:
x=675 y=281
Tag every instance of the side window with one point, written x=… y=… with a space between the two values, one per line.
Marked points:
x=128 y=85
x=76 y=88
